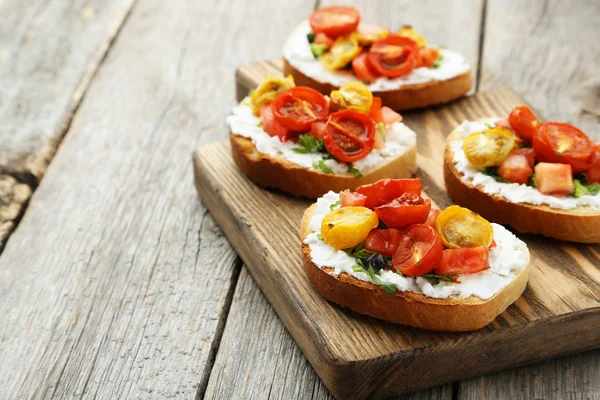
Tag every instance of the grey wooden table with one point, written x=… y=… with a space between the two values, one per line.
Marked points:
x=116 y=282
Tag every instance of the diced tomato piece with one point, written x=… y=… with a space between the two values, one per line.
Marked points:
x=321 y=38
x=375 y=112
x=593 y=174
x=554 y=178
x=466 y=260
x=363 y=70
x=379 y=142
x=503 y=123
x=386 y=190
x=518 y=166
x=348 y=198
x=494 y=244
x=389 y=116
x=383 y=241
x=427 y=57
x=432 y=217
x=406 y=210
x=272 y=126
x=317 y=129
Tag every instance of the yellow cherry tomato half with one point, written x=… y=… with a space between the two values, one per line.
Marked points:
x=343 y=51
x=460 y=227
x=268 y=91
x=353 y=96
x=409 y=32
x=347 y=227
x=490 y=147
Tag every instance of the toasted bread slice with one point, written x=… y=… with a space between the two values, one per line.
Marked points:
x=407 y=308
x=576 y=225
x=408 y=97
x=277 y=172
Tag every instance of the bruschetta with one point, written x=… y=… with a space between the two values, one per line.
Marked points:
x=297 y=140
x=333 y=47
x=384 y=251
x=536 y=177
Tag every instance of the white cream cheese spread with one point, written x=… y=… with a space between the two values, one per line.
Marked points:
x=513 y=192
x=507 y=259
x=297 y=52
x=399 y=139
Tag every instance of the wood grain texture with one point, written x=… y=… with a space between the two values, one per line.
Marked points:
x=49 y=51
x=377 y=358
x=557 y=74
x=117 y=282
x=258 y=358
x=13 y=199
x=547 y=50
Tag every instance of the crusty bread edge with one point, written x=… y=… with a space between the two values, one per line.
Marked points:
x=408 y=97
x=577 y=225
x=277 y=172
x=407 y=308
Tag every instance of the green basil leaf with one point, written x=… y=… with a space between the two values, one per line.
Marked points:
x=356 y=173
x=322 y=166
x=334 y=206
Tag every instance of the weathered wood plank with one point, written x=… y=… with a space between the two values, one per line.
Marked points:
x=49 y=51
x=13 y=198
x=258 y=358
x=546 y=50
x=117 y=281
x=356 y=356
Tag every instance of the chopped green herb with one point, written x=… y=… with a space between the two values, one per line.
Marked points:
x=310 y=36
x=493 y=172
x=389 y=288
x=358 y=268
x=438 y=277
x=582 y=190
x=356 y=173
x=490 y=126
x=334 y=206
x=259 y=123
x=250 y=92
x=437 y=62
x=322 y=166
x=319 y=236
x=381 y=129
x=532 y=181
x=309 y=144
x=318 y=50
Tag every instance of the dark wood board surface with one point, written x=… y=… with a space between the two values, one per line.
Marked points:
x=379 y=359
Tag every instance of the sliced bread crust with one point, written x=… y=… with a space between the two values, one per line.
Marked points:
x=407 y=308
x=576 y=225
x=408 y=97
x=277 y=172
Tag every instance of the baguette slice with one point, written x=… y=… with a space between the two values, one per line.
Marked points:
x=408 y=97
x=277 y=172
x=576 y=225
x=407 y=308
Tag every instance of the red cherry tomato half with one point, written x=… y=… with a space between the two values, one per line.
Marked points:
x=393 y=56
x=523 y=122
x=348 y=198
x=297 y=108
x=386 y=190
x=432 y=217
x=317 y=129
x=383 y=241
x=554 y=178
x=406 y=210
x=419 y=250
x=555 y=142
x=518 y=166
x=363 y=70
x=334 y=21
x=272 y=126
x=349 y=135
x=466 y=260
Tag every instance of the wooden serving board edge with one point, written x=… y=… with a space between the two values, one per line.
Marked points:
x=581 y=328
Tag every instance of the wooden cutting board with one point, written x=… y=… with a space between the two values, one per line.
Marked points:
x=358 y=356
